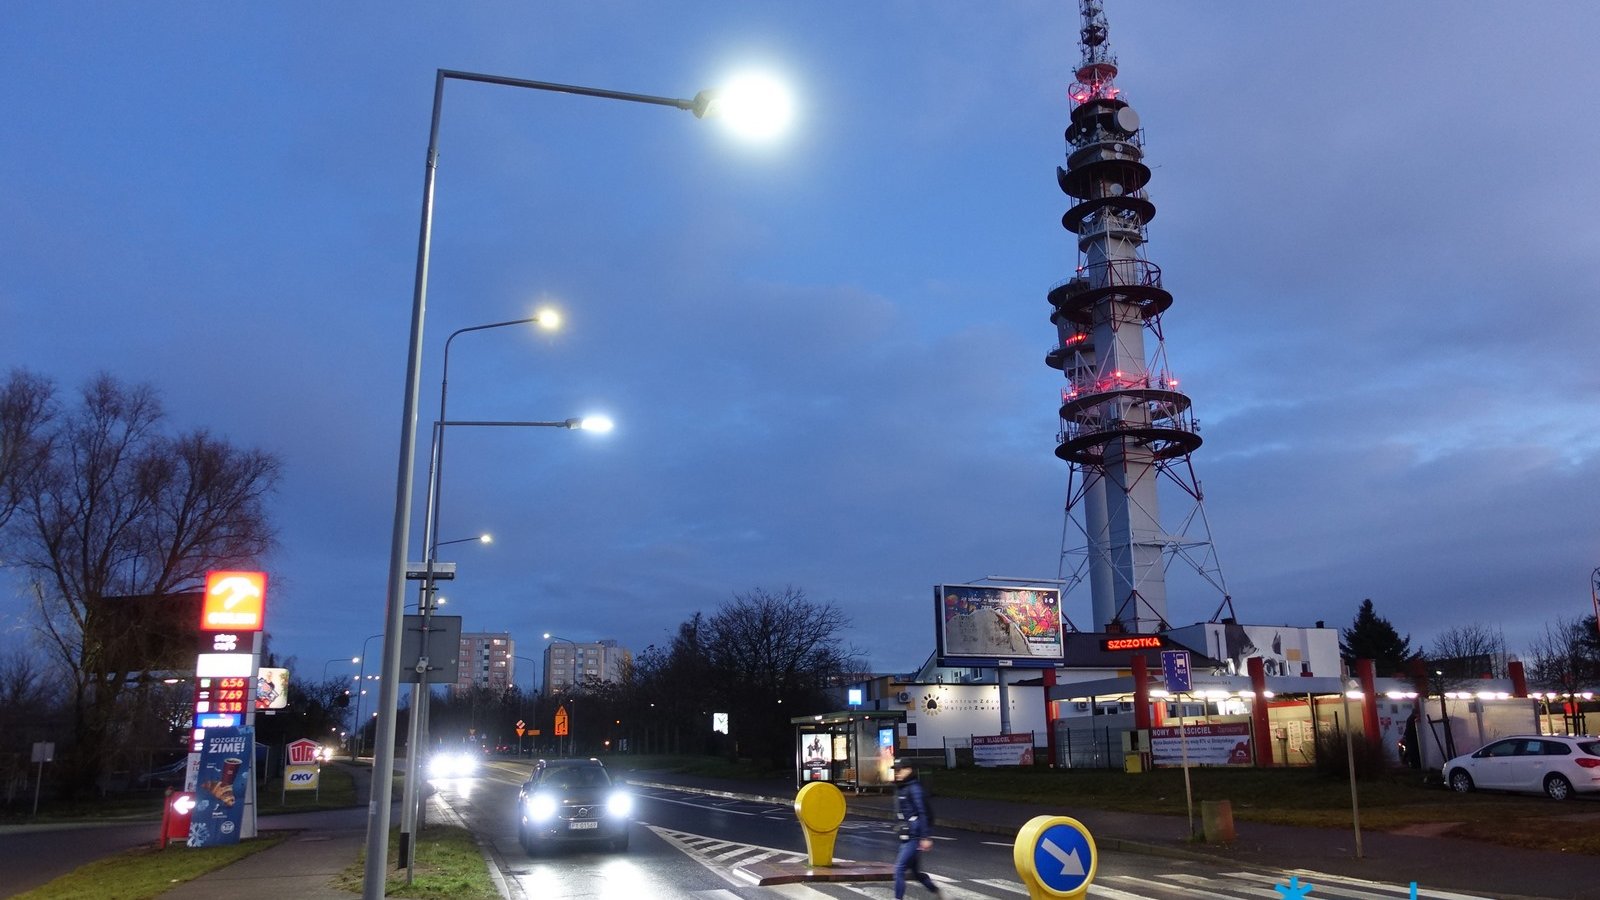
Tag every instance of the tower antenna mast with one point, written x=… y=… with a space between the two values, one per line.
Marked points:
x=1125 y=425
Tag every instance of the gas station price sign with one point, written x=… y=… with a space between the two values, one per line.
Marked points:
x=230 y=695
x=222 y=696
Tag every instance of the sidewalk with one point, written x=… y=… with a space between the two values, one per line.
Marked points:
x=328 y=842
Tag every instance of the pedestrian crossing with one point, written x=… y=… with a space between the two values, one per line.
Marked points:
x=1174 y=886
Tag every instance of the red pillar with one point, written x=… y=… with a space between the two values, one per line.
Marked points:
x=1519 y=678
x=1262 y=731
x=1367 y=672
x=1050 y=715
x=1141 y=693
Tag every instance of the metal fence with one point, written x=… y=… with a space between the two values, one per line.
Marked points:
x=1095 y=747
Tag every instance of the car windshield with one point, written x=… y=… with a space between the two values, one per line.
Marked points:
x=1590 y=747
x=575 y=777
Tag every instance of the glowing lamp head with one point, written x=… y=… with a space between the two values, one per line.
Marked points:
x=547 y=318
x=755 y=105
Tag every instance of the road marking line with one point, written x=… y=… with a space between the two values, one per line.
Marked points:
x=737 y=812
x=1100 y=890
x=1002 y=884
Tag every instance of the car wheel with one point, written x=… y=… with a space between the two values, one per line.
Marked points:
x=1557 y=787
x=1460 y=781
x=526 y=840
x=620 y=844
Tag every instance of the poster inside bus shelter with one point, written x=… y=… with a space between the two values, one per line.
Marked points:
x=221 y=787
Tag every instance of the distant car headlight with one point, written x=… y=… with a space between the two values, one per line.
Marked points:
x=620 y=804
x=451 y=765
x=540 y=807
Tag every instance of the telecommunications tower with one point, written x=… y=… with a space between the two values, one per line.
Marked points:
x=1125 y=426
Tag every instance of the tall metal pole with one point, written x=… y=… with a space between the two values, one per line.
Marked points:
x=374 y=873
x=1350 y=760
x=360 y=690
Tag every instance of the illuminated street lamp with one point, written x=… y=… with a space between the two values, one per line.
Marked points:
x=353 y=659
x=421 y=689
x=361 y=690
x=742 y=101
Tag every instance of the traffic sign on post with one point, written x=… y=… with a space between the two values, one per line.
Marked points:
x=1175 y=666
x=1055 y=856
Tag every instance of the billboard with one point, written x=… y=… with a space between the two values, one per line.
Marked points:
x=998 y=626
x=272 y=688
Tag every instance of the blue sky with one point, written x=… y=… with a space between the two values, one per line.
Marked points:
x=825 y=355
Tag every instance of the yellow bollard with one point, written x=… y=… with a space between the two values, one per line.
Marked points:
x=820 y=808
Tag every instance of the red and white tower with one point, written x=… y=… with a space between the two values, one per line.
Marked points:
x=1125 y=426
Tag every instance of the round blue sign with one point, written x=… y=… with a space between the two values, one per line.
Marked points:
x=1063 y=858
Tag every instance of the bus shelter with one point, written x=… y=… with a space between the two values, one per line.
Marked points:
x=853 y=749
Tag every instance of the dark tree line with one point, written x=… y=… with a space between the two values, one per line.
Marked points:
x=762 y=658
x=103 y=507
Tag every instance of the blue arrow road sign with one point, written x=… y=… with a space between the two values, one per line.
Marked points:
x=1175 y=665
x=1063 y=858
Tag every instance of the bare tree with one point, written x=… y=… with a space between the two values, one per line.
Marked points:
x=29 y=707
x=774 y=657
x=1469 y=651
x=27 y=403
x=118 y=509
x=1567 y=655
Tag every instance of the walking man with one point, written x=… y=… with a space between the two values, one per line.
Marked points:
x=911 y=807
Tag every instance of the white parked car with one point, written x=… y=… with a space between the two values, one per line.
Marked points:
x=1555 y=764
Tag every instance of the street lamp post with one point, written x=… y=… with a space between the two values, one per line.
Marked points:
x=353 y=659
x=422 y=690
x=1350 y=760
x=361 y=689
x=374 y=873
x=557 y=638
x=533 y=666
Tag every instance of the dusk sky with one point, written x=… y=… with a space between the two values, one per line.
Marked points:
x=824 y=354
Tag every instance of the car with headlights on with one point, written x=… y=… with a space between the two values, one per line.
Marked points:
x=453 y=764
x=1557 y=765
x=573 y=800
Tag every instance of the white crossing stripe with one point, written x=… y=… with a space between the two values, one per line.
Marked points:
x=799 y=892
x=1014 y=887
x=1405 y=889
x=1099 y=890
x=718 y=894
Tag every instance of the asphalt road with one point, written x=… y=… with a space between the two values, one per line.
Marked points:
x=34 y=855
x=687 y=845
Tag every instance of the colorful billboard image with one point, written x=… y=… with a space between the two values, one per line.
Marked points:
x=222 y=784
x=272 y=688
x=1021 y=625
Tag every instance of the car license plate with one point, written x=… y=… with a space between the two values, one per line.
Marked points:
x=575 y=826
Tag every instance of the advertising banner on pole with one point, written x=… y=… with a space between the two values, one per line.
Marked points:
x=221 y=785
x=1002 y=749
x=1208 y=745
x=998 y=626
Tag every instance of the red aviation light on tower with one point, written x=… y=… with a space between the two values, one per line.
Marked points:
x=234 y=601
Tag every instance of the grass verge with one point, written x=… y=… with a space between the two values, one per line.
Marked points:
x=145 y=871
x=338 y=791
x=1303 y=797
x=448 y=865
